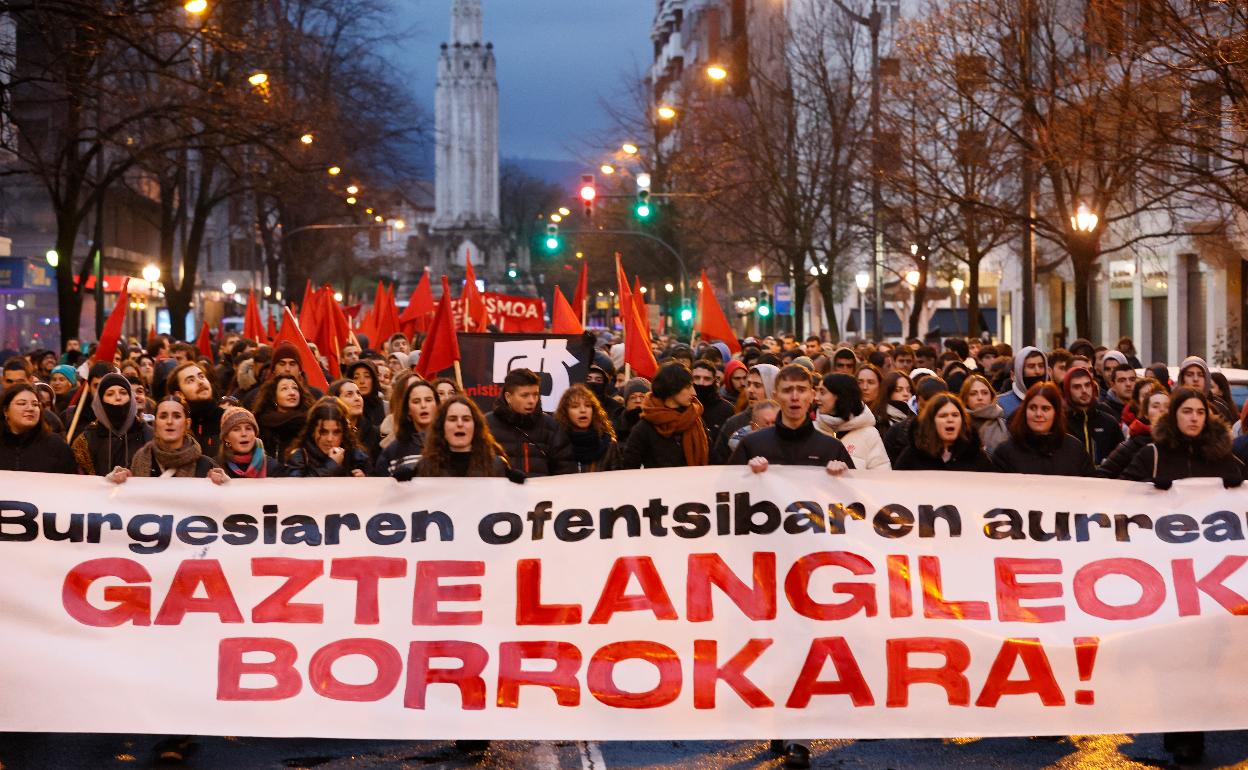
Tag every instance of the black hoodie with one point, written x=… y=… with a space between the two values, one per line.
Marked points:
x=535 y=444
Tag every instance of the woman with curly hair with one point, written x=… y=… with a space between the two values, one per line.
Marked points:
x=281 y=409
x=944 y=440
x=594 y=447
x=445 y=388
x=327 y=445
x=459 y=443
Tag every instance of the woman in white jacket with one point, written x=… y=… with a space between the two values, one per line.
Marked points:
x=842 y=415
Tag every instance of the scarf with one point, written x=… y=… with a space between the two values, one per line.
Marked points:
x=687 y=422
x=179 y=463
x=252 y=466
x=588 y=446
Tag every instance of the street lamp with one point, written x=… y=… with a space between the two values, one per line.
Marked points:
x=862 y=280
x=53 y=258
x=564 y=211
x=755 y=274
x=666 y=112
x=716 y=72
x=556 y=218
x=351 y=200
x=258 y=79
x=229 y=287
x=1084 y=220
x=334 y=170
x=306 y=139
x=957 y=284
x=607 y=169
x=629 y=149
x=912 y=278
x=337 y=296
x=667 y=287
x=195 y=7
x=352 y=189
x=151 y=274
x=399 y=224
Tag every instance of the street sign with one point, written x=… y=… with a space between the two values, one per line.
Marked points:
x=782 y=296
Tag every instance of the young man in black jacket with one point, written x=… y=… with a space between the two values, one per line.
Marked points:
x=535 y=444
x=1096 y=429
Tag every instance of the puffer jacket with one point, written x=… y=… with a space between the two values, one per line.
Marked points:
x=1051 y=455
x=860 y=437
x=535 y=444
x=1173 y=456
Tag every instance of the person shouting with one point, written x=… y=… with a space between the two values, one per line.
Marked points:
x=943 y=440
x=173 y=452
x=420 y=409
x=459 y=444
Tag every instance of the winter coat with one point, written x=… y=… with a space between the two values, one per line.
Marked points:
x=1240 y=447
x=310 y=462
x=535 y=444
x=459 y=469
x=399 y=460
x=612 y=452
x=624 y=422
x=98 y=450
x=37 y=450
x=1096 y=431
x=1123 y=454
x=860 y=437
x=206 y=425
x=966 y=455
x=989 y=424
x=1111 y=407
x=279 y=430
x=899 y=438
x=1173 y=456
x=783 y=445
x=1051 y=455
x=894 y=412
x=272 y=469
x=722 y=449
x=647 y=448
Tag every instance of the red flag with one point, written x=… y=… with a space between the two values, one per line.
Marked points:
x=311 y=367
x=151 y=334
x=476 y=318
x=626 y=302
x=441 y=348
x=563 y=318
x=420 y=307
x=271 y=327
x=638 y=298
x=107 y=348
x=385 y=317
x=638 y=352
x=305 y=321
x=711 y=323
x=580 y=298
x=204 y=341
x=253 y=327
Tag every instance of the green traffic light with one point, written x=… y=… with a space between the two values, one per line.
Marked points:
x=511 y=273
x=764 y=311
x=552 y=243
x=643 y=211
x=686 y=315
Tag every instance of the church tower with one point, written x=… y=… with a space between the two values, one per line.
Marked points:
x=467 y=126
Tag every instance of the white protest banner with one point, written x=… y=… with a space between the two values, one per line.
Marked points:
x=666 y=604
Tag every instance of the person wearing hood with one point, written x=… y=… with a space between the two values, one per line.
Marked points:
x=84 y=396
x=1120 y=380
x=534 y=443
x=1030 y=367
x=594 y=446
x=670 y=433
x=715 y=410
x=281 y=410
x=365 y=375
x=64 y=379
x=735 y=374
x=116 y=434
x=173 y=452
x=26 y=444
x=600 y=379
x=1154 y=402
x=987 y=416
x=842 y=415
x=242 y=454
x=1092 y=426
x=944 y=440
x=634 y=393
x=1190 y=440
x=1039 y=443
x=193 y=383
x=417 y=408
x=760 y=385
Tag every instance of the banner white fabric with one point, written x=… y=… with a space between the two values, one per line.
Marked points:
x=664 y=604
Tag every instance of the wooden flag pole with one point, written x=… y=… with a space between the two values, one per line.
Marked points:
x=73 y=424
x=459 y=376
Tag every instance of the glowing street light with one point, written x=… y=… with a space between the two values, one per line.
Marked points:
x=53 y=258
x=258 y=79
x=379 y=219
x=195 y=7
x=1084 y=220
x=643 y=181
x=352 y=189
x=666 y=112
x=912 y=278
x=337 y=296
x=556 y=218
x=351 y=200
x=755 y=274
x=957 y=284
x=151 y=274
x=862 y=280
x=716 y=72
x=607 y=169
x=629 y=148
x=307 y=139
x=399 y=224
x=564 y=211
x=667 y=287
x=334 y=170
x=229 y=287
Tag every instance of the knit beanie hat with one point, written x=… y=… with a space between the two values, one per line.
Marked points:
x=235 y=416
x=286 y=350
x=636 y=385
x=68 y=372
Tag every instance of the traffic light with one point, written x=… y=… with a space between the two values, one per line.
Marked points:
x=643 y=209
x=512 y=272
x=764 y=305
x=589 y=192
x=553 y=243
x=686 y=312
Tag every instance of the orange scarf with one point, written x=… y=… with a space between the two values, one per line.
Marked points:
x=687 y=423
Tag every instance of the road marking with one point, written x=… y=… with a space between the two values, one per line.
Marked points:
x=591 y=756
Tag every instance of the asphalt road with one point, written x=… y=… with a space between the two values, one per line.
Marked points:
x=23 y=751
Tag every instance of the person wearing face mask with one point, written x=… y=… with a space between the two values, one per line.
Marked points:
x=173 y=452
x=1039 y=443
x=366 y=434
x=419 y=409
x=195 y=386
x=715 y=410
x=281 y=409
x=460 y=445
x=116 y=434
x=594 y=447
x=634 y=393
x=1030 y=367
x=943 y=440
x=26 y=444
x=599 y=381
x=760 y=385
x=242 y=454
x=327 y=446
x=1152 y=406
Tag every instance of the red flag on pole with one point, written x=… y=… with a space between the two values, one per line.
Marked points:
x=711 y=323
x=253 y=327
x=304 y=320
x=420 y=307
x=476 y=318
x=581 y=297
x=311 y=367
x=271 y=327
x=563 y=318
x=109 y=337
x=151 y=334
x=638 y=352
x=204 y=341
x=441 y=348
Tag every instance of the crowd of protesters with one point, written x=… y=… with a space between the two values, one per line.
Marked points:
x=964 y=405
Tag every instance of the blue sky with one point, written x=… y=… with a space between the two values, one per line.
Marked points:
x=556 y=60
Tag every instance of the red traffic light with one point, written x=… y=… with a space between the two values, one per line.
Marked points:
x=588 y=193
